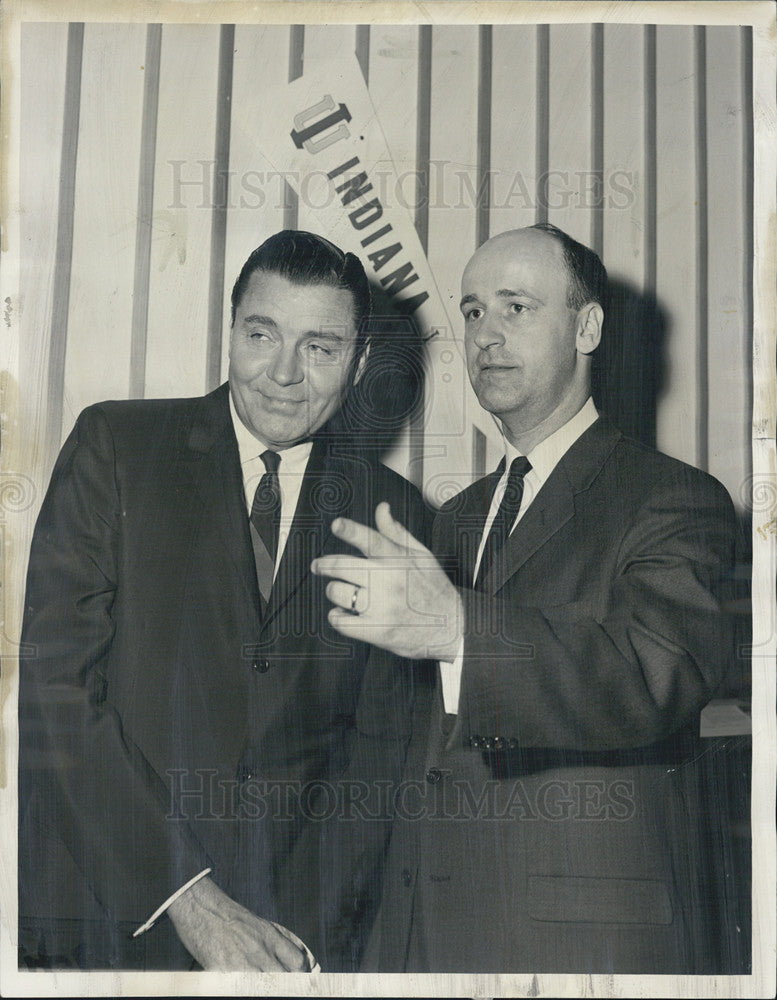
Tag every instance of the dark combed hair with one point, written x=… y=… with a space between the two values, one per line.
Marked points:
x=308 y=259
x=587 y=274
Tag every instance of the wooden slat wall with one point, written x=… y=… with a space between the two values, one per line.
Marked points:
x=569 y=157
x=662 y=111
x=623 y=192
x=183 y=212
x=44 y=53
x=677 y=270
x=255 y=198
x=99 y=331
x=728 y=256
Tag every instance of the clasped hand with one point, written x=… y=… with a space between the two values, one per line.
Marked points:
x=221 y=934
x=397 y=596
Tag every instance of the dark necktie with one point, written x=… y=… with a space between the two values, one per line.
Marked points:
x=265 y=523
x=505 y=516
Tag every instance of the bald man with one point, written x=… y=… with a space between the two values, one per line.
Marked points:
x=550 y=818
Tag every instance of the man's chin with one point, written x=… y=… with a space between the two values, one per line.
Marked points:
x=496 y=402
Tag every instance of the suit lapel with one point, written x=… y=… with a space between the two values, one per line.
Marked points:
x=554 y=505
x=212 y=463
x=549 y=512
x=461 y=528
x=309 y=532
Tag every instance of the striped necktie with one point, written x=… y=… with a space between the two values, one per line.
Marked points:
x=265 y=524
x=505 y=517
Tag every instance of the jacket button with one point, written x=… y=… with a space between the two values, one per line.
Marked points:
x=244 y=773
x=261 y=666
x=407 y=878
x=474 y=741
x=433 y=775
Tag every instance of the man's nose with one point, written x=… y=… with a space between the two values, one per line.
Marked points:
x=489 y=333
x=286 y=367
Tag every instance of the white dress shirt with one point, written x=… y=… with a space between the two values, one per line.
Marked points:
x=544 y=458
x=291 y=471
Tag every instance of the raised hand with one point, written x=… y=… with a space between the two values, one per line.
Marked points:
x=396 y=596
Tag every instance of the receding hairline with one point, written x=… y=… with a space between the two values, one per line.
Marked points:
x=509 y=236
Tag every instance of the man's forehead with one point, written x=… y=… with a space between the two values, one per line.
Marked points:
x=519 y=250
x=270 y=290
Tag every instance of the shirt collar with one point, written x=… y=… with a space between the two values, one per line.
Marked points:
x=250 y=447
x=545 y=456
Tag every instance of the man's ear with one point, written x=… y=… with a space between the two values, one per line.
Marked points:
x=589 y=328
x=361 y=363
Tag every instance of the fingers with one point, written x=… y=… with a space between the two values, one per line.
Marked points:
x=351 y=626
x=347 y=568
x=349 y=596
x=303 y=958
x=370 y=543
x=393 y=529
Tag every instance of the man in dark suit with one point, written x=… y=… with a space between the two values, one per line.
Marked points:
x=553 y=815
x=190 y=723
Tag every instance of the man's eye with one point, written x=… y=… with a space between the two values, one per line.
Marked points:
x=320 y=349
x=473 y=314
x=257 y=335
x=517 y=307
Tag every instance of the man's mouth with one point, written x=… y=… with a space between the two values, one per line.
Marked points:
x=282 y=402
x=492 y=368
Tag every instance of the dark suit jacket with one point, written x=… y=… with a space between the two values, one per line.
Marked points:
x=165 y=726
x=559 y=822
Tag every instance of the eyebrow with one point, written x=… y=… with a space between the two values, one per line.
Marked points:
x=326 y=335
x=257 y=318
x=265 y=320
x=503 y=293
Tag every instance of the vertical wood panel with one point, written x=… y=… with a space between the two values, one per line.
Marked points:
x=453 y=152
x=106 y=198
x=542 y=148
x=423 y=132
x=513 y=128
x=452 y=228
x=55 y=383
x=296 y=67
x=183 y=210
x=597 y=136
x=624 y=130
x=748 y=160
x=393 y=87
x=220 y=204
x=569 y=187
x=483 y=173
x=676 y=273
x=143 y=232
x=728 y=267
x=363 y=50
x=651 y=157
x=702 y=243
x=256 y=195
x=44 y=69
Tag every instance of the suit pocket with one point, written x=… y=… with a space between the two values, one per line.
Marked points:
x=599 y=900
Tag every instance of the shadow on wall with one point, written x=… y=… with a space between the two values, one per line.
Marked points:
x=628 y=370
x=628 y=366
x=391 y=389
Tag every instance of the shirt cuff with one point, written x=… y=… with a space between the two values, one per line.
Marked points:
x=450 y=675
x=168 y=902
